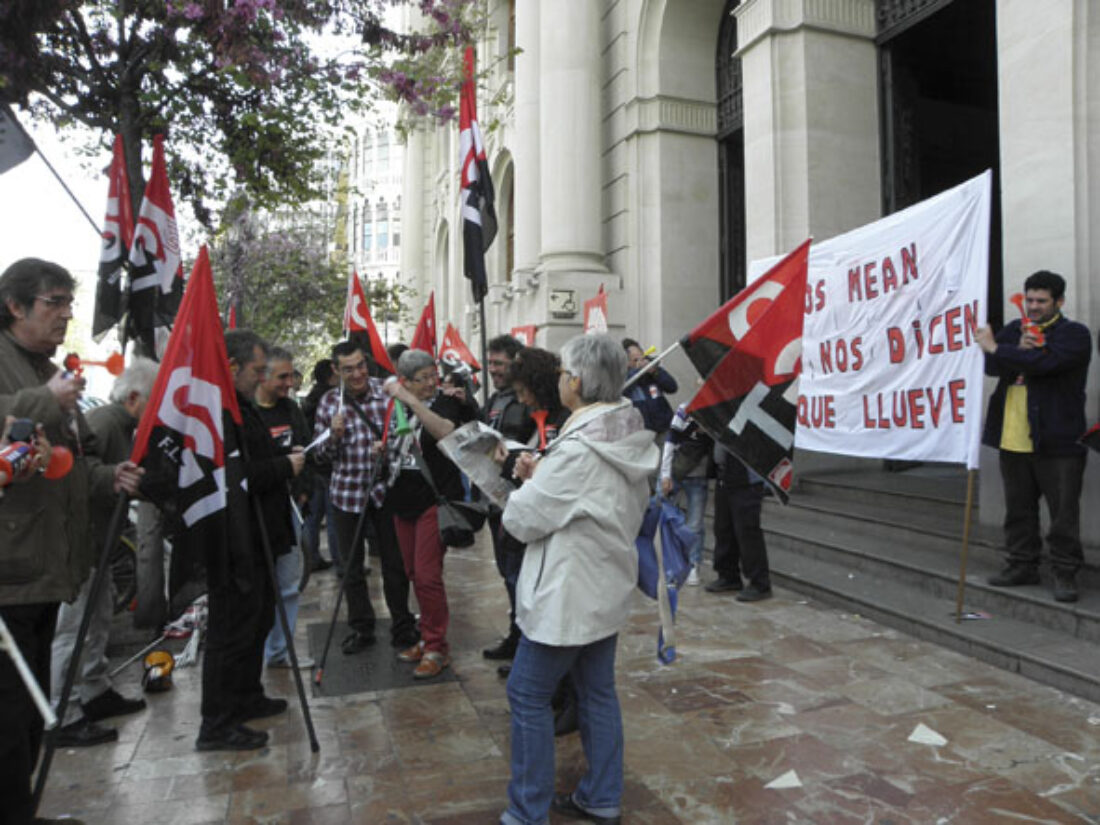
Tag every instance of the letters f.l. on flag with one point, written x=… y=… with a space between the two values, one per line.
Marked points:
x=709 y=342
x=479 y=219
x=156 y=268
x=424 y=335
x=357 y=320
x=749 y=401
x=186 y=440
x=118 y=238
x=453 y=350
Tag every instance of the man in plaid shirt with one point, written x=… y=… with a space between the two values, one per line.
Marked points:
x=354 y=447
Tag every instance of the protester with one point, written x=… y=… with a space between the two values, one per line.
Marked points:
x=320 y=505
x=1036 y=418
x=93 y=696
x=241 y=601
x=579 y=512
x=288 y=428
x=45 y=555
x=432 y=415
x=512 y=419
x=739 y=546
x=648 y=392
x=357 y=422
x=685 y=466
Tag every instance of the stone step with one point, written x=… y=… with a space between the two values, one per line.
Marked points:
x=1051 y=656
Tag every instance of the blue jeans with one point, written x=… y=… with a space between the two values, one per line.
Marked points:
x=536 y=671
x=320 y=505
x=695 y=493
x=288 y=572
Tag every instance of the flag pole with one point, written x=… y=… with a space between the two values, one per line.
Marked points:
x=630 y=382
x=114 y=529
x=970 y=475
x=280 y=609
x=484 y=354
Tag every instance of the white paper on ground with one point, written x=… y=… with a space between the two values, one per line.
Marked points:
x=788 y=780
x=924 y=735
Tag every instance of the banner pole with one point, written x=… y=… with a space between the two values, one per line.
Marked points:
x=965 y=543
x=630 y=382
x=484 y=354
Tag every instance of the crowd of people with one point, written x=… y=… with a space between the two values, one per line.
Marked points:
x=582 y=457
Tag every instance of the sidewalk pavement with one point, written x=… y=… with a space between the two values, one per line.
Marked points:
x=783 y=711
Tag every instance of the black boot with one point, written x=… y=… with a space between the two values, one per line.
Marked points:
x=506 y=648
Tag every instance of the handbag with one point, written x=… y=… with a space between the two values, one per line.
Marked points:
x=458 y=521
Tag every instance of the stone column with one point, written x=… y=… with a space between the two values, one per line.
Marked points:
x=569 y=138
x=526 y=186
x=415 y=232
x=811 y=120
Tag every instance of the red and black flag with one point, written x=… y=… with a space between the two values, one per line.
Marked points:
x=118 y=237
x=709 y=342
x=156 y=268
x=424 y=335
x=187 y=438
x=749 y=401
x=479 y=217
x=358 y=323
x=453 y=350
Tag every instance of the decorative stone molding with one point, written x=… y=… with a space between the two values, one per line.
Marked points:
x=759 y=18
x=670 y=114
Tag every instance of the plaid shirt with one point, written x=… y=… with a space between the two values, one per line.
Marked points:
x=351 y=458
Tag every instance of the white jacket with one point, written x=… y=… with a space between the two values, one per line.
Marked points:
x=579 y=515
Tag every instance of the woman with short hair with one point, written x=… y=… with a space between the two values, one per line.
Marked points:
x=579 y=512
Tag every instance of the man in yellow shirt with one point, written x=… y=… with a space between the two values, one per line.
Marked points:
x=1036 y=418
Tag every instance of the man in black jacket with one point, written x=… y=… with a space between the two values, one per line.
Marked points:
x=1036 y=418
x=242 y=605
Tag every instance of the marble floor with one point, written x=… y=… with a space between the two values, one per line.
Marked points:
x=785 y=711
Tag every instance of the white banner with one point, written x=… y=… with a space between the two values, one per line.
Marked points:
x=889 y=364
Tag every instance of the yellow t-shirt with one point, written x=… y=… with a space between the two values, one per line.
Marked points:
x=1016 y=429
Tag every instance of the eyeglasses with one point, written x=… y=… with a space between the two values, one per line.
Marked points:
x=55 y=301
x=564 y=371
x=425 y=379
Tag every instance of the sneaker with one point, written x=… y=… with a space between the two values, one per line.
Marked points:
x=723 y=585
x=693 y=579
x=1015 y=575
x=563 y=804
x=263 y=707
x=111 y=703
x=752 y=593
x=283 y=663
x=431 y=665
x=411 y=654
x=1065 y=586
x=239 y=738
x=356 y=643
x=84 y=733
x=504 y=649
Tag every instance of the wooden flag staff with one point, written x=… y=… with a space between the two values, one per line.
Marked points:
x=970 y=475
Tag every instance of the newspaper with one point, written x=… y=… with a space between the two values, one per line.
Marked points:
x=471 y=448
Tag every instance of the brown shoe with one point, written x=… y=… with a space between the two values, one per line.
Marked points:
x=411 y=654
x=431 y=665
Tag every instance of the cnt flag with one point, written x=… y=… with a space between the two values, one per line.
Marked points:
x=187 y=441
x=749 y=401
x=357 y=322
x=479 y=219
x=424 y=335
x=709 y=342
x=118 y=237
x=525 y=334
x=156 y=269
x=453 y=351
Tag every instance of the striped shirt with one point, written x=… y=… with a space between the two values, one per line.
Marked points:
x=352 y=462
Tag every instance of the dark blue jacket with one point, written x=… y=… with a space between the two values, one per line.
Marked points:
x=1055 y=376
x=648 y=396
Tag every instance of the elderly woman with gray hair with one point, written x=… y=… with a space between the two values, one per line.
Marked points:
x=579 y=513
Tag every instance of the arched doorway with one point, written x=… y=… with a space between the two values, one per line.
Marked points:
x=731 y=157
x=940 y=122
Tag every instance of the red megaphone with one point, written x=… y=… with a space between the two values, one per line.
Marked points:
x=1026 y=324
x=15 y=458
x=115 y=363
x=540 y=423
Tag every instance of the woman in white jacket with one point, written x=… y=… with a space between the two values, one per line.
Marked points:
x=579 y=513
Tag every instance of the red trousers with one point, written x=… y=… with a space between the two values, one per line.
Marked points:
x=422 y=549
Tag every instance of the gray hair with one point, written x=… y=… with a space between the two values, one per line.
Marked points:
x=413 y=361
x=599 y=362
x=138 y=377
x=277 y=353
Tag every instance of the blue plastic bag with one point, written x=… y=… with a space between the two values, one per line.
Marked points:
x=664 y=518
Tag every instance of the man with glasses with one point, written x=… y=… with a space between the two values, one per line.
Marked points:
x=356 y=422
x=512 y=419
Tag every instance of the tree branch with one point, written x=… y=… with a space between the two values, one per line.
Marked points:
x=85 y=39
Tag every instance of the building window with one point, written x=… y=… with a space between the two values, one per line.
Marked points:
x=382 y=228
x=383 y=153
x=368 y=231
x=368 y=148
x=395 y=225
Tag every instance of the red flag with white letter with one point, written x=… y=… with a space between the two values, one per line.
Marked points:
x=595 y=313
x=357 y=320
x=118 y=237
x=424 y=336
x=187 y=441
x=156 y=268
x=709 y=342
x=749 y=401
x=453 y=351
x=525 y=334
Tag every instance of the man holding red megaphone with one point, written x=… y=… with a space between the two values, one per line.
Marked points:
x=45 y=551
